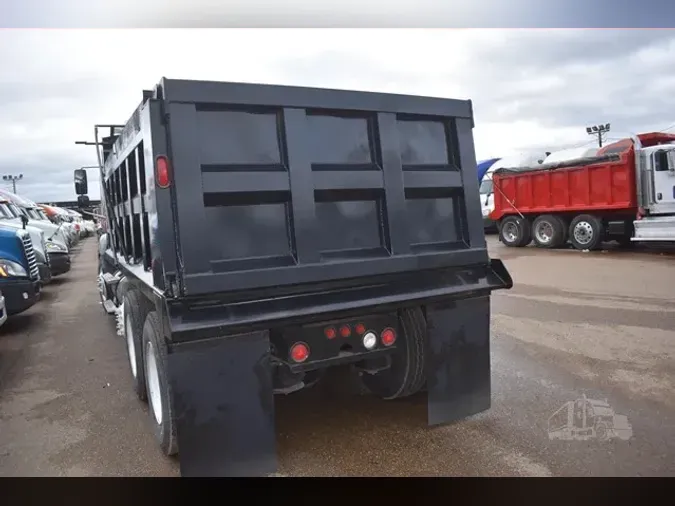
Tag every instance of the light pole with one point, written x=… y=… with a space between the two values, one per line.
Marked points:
x=599 y=131
x=13 y=179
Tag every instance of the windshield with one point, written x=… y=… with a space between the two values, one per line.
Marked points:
x=486 y=186
x=32 y=213
x=13 y=210
x=5 y=213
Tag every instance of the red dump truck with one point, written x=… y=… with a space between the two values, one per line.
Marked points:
x=625 y=193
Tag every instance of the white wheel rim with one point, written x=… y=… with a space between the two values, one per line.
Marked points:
x=511 y=232
x=583 y=232
x=544 y=232
x=154 y=391
x=131 y=345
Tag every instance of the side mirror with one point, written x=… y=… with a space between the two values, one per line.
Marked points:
x=671 y=161
x=81 y=182
x=24 y=220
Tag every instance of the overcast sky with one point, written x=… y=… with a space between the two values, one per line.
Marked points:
x=532 y=89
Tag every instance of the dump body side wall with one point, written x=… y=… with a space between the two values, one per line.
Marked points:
x=297 y=185
x=602 y=187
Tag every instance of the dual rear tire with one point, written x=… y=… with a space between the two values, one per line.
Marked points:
x=585 y=232
x=147 y=354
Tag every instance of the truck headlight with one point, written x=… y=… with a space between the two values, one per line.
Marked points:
x=11 y=269
x=55 y=247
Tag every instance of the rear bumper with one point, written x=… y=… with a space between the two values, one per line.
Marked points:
x=19 y=295
x=60 y=263
x=190 y=320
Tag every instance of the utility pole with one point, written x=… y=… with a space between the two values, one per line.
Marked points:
x=599 y=131
x=13 y=179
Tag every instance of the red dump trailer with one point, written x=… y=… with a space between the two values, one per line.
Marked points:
x=586 y=200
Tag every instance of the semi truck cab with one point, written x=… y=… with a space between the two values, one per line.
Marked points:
x=37 y=237
x=655 y=174
x=19 y=274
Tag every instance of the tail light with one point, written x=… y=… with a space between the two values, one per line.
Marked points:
x=345 y=331
x=360 y=329
x=299 y=352
x=330 y=332
x=162 y=171
x=388 y=337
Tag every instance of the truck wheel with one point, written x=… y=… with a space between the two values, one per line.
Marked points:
x=515 y=231
x=159 y=393
x=135 y=307
x=548 y=231
x=407 y=374
x=586 y=232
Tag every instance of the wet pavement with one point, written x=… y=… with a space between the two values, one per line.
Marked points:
x=600 y=324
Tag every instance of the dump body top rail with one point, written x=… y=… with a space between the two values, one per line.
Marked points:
x=274 y=185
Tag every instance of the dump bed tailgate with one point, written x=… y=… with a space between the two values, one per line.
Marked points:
x=282 y=185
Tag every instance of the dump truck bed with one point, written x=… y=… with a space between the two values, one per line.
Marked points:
x=605 y=183
x=276 y=186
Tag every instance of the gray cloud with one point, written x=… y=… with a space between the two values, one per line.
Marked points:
x=530 y=88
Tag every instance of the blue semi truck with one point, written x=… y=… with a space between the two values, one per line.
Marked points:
x=19 y=272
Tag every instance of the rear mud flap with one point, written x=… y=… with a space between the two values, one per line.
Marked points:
x=225 y=407
x=458 y=374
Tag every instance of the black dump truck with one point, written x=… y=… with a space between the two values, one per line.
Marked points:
x=257 y=235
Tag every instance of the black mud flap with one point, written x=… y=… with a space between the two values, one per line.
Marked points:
x=458 y=374
x=224 y=407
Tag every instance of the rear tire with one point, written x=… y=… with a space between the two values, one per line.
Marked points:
x=160 y=400
x=515 y=232
x=135 y=309
x=586 y=232
x=407 y=374
x=548 y=231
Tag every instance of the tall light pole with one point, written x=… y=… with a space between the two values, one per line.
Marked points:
x=13 y=179
x=599 y=131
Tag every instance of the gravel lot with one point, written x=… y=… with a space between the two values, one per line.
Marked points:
x=600 y=324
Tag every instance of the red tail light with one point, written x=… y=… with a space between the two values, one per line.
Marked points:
x=299 y=352
x=345 y=331
x=162 y=172
x=360 y=328
x=388 y=337
x=330 y=332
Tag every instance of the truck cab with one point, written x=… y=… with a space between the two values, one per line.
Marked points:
x=19 y=273
x=655 y=167
x=51 y=250
x=57 y=218
x=37 y=236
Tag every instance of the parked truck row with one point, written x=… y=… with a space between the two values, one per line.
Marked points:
x=623 y=192
x=256 y=236
x=35 y=245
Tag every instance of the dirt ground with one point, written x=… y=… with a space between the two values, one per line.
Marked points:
x=600 y=324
